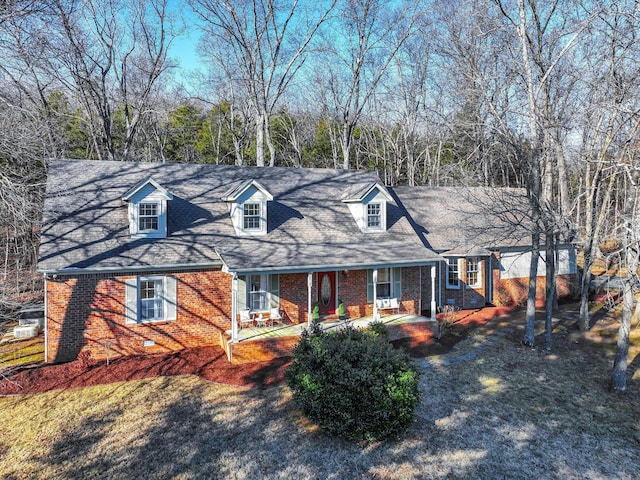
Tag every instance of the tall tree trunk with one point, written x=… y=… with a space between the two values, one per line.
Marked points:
x=550 y=288
x=619 y=374
x=529 y=331
x=260 y=139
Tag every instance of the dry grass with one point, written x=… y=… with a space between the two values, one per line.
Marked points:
x=21 y=352
x=511 y=413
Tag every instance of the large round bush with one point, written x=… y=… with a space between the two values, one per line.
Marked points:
x=353 y=383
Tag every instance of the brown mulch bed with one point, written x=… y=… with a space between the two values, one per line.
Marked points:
x=210 y=363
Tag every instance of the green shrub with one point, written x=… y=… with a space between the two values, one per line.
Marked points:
x=353 y=383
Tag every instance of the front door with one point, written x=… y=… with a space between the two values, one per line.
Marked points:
x=327 y=292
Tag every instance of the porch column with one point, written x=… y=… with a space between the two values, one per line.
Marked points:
x=234 y=307
x=375 y=294
x=309 y=284
x=433 y=292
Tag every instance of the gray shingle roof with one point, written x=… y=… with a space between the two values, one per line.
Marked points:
x=467 y=220
x=85 y=222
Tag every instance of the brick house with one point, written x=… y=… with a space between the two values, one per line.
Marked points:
x=146 y=258
x=484 y=238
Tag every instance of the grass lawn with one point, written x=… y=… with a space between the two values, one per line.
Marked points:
x=512 y=412
x=21 y=352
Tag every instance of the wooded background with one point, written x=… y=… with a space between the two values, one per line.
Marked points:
x=520 y=93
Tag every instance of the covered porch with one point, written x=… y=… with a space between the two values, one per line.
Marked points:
x=392 y=294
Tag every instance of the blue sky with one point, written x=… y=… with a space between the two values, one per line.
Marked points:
x=183 y=49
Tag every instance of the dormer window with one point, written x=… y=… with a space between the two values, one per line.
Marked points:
x=368 y=205
x=251 y=216
x=148 y=209
x=248 y=209
x=148 y=217
x=374 y=219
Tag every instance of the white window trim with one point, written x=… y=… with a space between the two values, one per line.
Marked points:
x=395 y=282
x=269 y=285
x=134 y=219
x=451 y=285
x=259 y=216
x=478 y=283
x=159 y=295
x=157 y=216
x=133 y=299
x=370 y=215
x=382 y=216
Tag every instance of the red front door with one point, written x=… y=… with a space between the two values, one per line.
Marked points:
x=327 y=292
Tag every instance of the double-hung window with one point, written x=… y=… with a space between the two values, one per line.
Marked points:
x=258 y=293
x=148 y=217
x=251 y=216
x=374 y=215
x=388 y=284
x=453 y=273
x=151 y=299
x=383 y=286
x=473 y=272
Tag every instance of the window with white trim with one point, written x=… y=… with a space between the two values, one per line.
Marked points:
x=374 y=216
x=150 y=299
x=453 y=272
x=148 y=214
x=258 y=293
x=388 y=285
x=251 y=216
x=473 y=272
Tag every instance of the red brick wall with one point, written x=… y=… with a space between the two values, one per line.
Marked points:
x=293 y=296
x=86 y=313
x=262 y=350
x=352 y=290
x=86 y=316
x=513 y=291
x=410 y=301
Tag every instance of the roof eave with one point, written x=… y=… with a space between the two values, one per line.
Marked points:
x=128 y=269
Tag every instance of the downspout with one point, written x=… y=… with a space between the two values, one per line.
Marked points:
x=46 y=320
x=420 y=297
x=309 y=284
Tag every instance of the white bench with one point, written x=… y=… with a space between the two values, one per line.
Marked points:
x=391 y=304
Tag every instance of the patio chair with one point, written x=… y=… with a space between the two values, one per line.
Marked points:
x=394 y=305
x=276 y=316
x=245 y=318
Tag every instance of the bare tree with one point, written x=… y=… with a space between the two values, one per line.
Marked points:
x=266 y=43
x=111 y=54
x=359 y=54
x=609 y=127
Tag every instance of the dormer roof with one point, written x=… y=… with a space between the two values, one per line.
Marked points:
x=142 y=184
x=239 y=188
x=308 y=227
x=358 y=193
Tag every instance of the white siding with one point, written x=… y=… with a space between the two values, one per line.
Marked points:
x=515 y=264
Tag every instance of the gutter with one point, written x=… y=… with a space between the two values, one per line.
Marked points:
x=127 y=269
x=335 y=267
